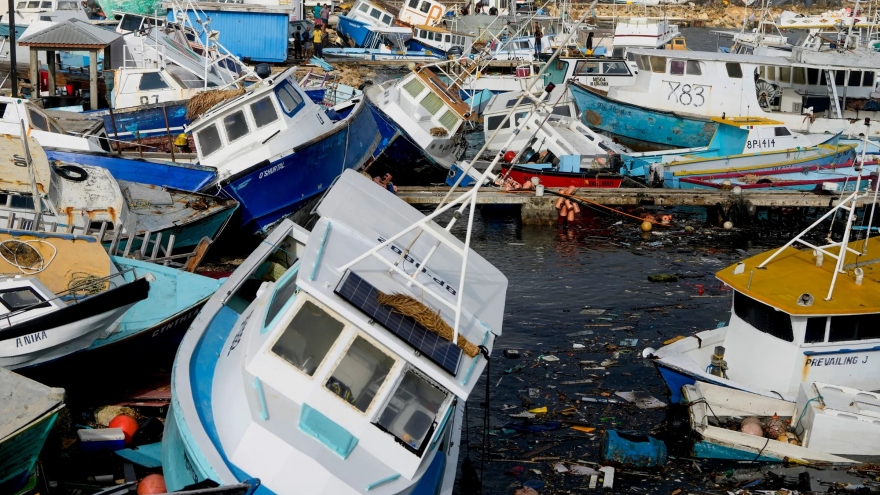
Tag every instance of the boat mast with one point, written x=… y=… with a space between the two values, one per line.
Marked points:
x=13 y=67
x=849 y=205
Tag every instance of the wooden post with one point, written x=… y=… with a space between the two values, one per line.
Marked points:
x=140 y=146
x=35 y=74
x=115 y=133
x=50 y=61
x=93 y=79
x=168 y=130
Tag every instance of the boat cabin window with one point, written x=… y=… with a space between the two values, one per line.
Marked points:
x=868 y=80
x=855 y=78
x=209 y=140
x=839 y=77
x=800 y=75
x=363 y=7
x=22 y=5
x=676 y=67
x=424 y=7
x=45 y=5
x=854 y=327
x=20 y=298
x=413 y=4
x=375 y=13
x=658 y=64
x=812 y=76
x=584 y=68
x=282 y=295
x=781 y=131
x=387 y=19
x=561 y=110
x=414 y=87
x=360 y=373
x=785 y=74
x=131 y=22
x=494 y=121
x=33 y=5
x=449 y=120
x=290 y=100
x=693 y=68
x=308 y=338
x=446 y=38
x=236 y=126
x=615 y=68
x=423 y=34
x=66 y=5
x=432 y=103
x=152 y=81
x=815 y=330
x=618 y=53
x=734 y=70
x=264 y=112
x=411 y=413
x=38 y=121
x=763 y=317
x=771 y=73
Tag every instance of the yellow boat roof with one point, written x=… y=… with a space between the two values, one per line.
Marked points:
x=741 y=121
x=71 y=258
x=793 y=273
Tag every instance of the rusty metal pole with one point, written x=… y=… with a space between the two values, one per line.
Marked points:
x=168 y=130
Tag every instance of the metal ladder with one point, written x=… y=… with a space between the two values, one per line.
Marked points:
x=831 y=87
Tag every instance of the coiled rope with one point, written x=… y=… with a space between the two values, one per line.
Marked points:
x=25 y=257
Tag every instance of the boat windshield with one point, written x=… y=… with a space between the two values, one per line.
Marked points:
x=308 y=338
x=764 y=318
x=411 y=412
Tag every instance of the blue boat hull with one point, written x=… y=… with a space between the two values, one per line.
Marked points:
x=20 y=451
x=400 y=156
x=641 y=124
x=188 y=235
x=269 y=192
x=353 y=30
x=181 y=176
x=674 y=381
x=146 y=121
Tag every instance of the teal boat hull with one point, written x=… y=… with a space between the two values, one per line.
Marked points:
x=19 y=451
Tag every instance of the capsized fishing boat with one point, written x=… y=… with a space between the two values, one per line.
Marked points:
x=274 y=148
x=419 y=116
x=29 y=412
x=495 y=114
x=312 y=368
x=740 y=145
x=798 y=316
x=562 y=152
x=829 y=178
x=60 y=293
x=40 y=126
x=84 y=197
x=827 y=424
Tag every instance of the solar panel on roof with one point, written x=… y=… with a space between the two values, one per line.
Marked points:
x=363 y=296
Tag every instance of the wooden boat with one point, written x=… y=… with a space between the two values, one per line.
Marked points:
x=29 y=410
x=827 y=424
x=310 y=382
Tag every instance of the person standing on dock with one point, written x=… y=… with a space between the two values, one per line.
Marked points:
x=319 y=49
x=538 y=36
x=297 y=44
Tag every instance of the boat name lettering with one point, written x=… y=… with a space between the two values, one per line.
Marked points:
x=171 y=324
x=30 y=339
x=687 y=94
x=271 y=170
x=760 y=143
x=319 y=118
x=599 y=81
x=835 y=361
x=409 y=259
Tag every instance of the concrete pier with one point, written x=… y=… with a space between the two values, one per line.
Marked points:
x=541 y=210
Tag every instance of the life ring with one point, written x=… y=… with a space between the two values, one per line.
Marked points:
x=72 y=173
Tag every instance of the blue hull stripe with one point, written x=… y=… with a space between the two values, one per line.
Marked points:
x=640 y=123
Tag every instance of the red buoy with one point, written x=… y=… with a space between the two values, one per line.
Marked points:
x=509 y=156
x=152 y=484
x=128 y=425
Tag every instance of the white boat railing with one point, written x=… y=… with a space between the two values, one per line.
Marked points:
x=466 y=200
x=849 y=205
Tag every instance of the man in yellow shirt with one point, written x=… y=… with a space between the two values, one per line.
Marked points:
x=319 y=51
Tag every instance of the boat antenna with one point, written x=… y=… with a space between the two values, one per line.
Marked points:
x=466 y=200
x=848 y=205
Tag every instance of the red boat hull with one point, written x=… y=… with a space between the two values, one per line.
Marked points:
x=593 y=179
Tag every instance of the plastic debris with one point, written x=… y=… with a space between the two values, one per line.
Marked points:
x=642 y=400
x=539 y=410
x=579 y=334
x=594 y=312
x=576 y=382
x=584 y=429
x=633 y=450
x=550 y=358
x=577 y=346
x=666 y=277
x=511 y=353
x=629 y=342
x=522 y=415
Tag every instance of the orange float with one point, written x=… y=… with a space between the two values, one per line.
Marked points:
x=152 y=484
x=127 y=424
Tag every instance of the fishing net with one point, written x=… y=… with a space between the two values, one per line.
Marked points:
x=203 y=102
x=415 y=309
x=21 y=254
